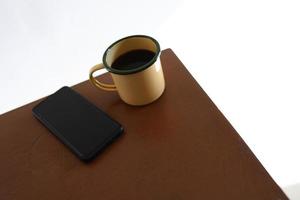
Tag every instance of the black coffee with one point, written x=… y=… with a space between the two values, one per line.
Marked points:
x=133 y=59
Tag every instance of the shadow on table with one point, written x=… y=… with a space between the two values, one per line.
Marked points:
x=293 y=191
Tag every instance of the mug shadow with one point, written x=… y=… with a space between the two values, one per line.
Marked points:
x=293 y=191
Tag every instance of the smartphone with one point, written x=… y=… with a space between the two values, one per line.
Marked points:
x=81 y=126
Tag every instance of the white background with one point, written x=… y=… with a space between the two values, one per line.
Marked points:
x=245 y=54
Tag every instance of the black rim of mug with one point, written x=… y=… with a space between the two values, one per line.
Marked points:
x=135 y=70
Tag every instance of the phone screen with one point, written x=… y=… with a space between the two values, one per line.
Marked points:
x=79 y=124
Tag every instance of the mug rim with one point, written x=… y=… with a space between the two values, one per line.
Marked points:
x=135 y=70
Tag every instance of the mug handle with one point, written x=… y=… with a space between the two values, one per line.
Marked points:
x=98 y=84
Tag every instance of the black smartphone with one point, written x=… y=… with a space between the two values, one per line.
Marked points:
x=76 y=122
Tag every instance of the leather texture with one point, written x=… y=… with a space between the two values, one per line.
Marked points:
x=179 y=147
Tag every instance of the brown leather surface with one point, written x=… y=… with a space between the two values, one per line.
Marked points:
x=179 y=147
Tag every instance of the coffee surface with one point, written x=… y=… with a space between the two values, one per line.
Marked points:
x=133 y=59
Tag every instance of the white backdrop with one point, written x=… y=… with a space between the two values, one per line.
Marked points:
x=245 y=54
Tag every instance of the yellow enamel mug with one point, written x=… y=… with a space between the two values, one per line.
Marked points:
x=139 y=85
